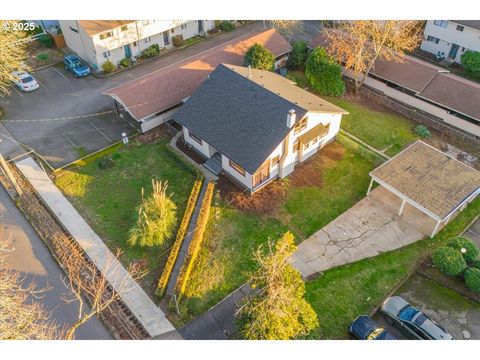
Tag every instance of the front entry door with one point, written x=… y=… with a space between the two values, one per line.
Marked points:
x=262 y=174
x=453 y=51
x=128 y=51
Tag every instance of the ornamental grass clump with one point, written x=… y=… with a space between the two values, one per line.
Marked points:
x=157 y=216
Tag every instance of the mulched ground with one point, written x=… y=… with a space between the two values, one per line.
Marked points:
x=159 y=133
x=192 y=154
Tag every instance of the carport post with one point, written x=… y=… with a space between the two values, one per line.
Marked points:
x=370 y=186
x=401 y=207
x=435 y=228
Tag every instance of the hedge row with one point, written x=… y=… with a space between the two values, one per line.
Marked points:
x=182 y=231
x=196 y=243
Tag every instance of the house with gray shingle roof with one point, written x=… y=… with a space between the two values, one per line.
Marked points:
x=254 y=125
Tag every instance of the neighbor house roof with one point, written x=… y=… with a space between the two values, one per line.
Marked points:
x=430 y=178
x=167 y=87
x=244 y=118
x=455 y=93
x=93 y=27
x=474 y=24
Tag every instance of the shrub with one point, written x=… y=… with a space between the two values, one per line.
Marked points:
x=106 y=163
x=259 y=58
x=157 y=216
x=45 y=40
x=182 y=231
x=196 y=243
x=471 y=61
x=43 y=57
x=226 y=25
x=298 y=56
x=151 y=51
x=471 y=249
x=324 y=74
x=476 y=263
x=177 y=40
x=422 y=131
x=108 y=67
x=472 y=279
x=125 y=62
x=449 y=261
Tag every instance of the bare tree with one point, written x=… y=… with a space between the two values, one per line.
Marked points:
x=12 y=54
x=83 y=280
x=21 y=316
x=358 y=44
x=285 y=27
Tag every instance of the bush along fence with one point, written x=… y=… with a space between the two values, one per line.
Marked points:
x=181 y=233
x=196 y=243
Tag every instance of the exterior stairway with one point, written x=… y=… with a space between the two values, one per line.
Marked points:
x=214 y=164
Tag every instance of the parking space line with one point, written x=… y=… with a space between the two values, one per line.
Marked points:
x=70 y=141
x=59 y=73
x=101 y=132
x=18 y=92
x=42 y=84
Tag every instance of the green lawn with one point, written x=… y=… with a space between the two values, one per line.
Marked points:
x=108 y=197
x=232 y=235
x=383 y=130
x=343 y=293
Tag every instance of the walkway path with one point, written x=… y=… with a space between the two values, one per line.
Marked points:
x=150 y=316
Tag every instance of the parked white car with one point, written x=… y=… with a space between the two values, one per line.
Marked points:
x=25 y=81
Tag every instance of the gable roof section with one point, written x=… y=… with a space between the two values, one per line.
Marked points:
x=455 y=93
x=239 y=117
x=166 y=87
x=93 y=27
x=430 y=178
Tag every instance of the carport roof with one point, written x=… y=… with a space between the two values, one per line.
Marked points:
x=431 y=179
x=167 y=87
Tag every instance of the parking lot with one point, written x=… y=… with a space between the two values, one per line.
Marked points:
x=457 y=314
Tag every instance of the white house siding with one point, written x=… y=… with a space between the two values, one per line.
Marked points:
x=78 y=40
x=204 y=148
x=468 y=39
x=245 y=180
x=157 y=119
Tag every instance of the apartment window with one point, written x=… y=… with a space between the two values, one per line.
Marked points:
x=441 y=23
x=147 y=40
x=296 y=146
x=275 y=160
x=237 y=167
x=460 y=28
x=124 y=28
x=195 y=137
x=301 y=125
x=433 y=39
x=106 y=54
x=173 y=31
x=184 y=26
x=106 y=35
x=146 y=22
x=134 y=43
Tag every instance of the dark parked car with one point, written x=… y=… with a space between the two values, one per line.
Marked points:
x=364 y=328
x=412 y=321
x=75 y=65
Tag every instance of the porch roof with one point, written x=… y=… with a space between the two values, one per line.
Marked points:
x=311 y=134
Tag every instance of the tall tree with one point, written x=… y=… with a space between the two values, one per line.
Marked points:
x=12 y=54
x=358 y=44
x=278 y=310
x=324 y=74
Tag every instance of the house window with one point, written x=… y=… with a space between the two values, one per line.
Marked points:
x=296 y=146
x=441 y=23
x=147 y=40
x=237 y=167
x=195 y=137
x=306 y=146
x=460 y=28
x=106 y=35
x=124 y=28
x=275 y=160
x=315 y=140
x=433 y=39
x=301 y=125
x=106 y=54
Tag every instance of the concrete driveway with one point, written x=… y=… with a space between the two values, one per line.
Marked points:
x=32 y=258
x=67 y=118
x=458 y=315
x=370 y=227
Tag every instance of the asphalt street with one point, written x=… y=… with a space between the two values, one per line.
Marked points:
x=31 y=257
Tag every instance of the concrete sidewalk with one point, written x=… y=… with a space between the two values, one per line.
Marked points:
x=148 y=314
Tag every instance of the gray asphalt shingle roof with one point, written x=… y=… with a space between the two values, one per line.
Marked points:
x=257 y=117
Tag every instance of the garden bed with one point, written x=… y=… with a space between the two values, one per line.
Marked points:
x=38 y=55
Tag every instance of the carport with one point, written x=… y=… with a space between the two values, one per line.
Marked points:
x=430 y=181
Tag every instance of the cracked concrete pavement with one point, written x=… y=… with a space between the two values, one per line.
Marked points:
x=370 y=227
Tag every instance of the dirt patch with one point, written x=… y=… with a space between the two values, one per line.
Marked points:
x=192 y=154
x=264 y=201
x=154 y=135
x=48 y=56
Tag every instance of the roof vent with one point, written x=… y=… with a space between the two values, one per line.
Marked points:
x=291 y=117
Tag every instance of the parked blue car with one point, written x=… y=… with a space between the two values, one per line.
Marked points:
x=75 y=65
x=365 y=328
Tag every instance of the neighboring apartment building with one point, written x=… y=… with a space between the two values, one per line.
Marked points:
x=255 y=125
x=99 y=40
x=449 y=39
